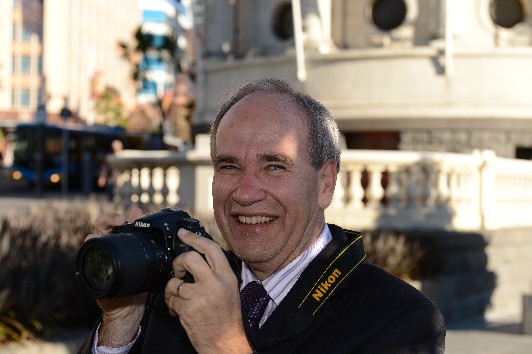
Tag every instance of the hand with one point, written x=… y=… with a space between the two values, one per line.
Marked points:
x=101 y=183
x=209 y=308
x=121 y=315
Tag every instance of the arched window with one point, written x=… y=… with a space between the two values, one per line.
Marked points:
x=507 y=13
x=388 y=14
x=282 y=21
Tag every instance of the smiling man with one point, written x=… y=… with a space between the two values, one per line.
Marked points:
x=276 y=156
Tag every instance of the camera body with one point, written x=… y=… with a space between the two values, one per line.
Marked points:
x=136 y=257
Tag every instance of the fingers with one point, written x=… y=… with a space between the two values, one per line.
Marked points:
x=135 y=213
x=192 y=262
x=174 y=292
x=104 y=223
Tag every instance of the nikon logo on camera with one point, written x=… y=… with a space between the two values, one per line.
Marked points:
x=142 y=224
x=324 y=286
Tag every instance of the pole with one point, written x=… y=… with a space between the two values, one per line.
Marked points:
x=64 y=162
x=448 y=39
x=65 y=113
x=298 y=37
x=39 y=159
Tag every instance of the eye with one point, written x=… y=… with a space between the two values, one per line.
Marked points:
x=276 y=168
x=227 y=168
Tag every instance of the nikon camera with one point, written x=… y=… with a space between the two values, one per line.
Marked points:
x=136 y=257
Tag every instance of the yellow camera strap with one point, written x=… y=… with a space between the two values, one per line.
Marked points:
x=334 y=274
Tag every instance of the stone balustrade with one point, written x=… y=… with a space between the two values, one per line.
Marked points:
x=375 y=189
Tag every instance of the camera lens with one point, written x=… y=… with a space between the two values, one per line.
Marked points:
x=121 y=264
x=98 y=267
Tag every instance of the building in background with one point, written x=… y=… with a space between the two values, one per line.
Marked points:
x=159 y=66
x=432 y=75
x=20 y=59
x=81 y=55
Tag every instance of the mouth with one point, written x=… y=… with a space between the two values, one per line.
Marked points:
x=252 y=220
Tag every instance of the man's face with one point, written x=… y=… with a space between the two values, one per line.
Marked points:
x=268 y=198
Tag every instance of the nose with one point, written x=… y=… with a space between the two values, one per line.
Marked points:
x=249 y=189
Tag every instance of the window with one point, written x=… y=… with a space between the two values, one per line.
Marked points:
x=148 y=88
x=25 y=98
x=153 y=16
x=25 y=66
x=26 y=34
x=507 y=13
x=388 y=14
x=282 y=22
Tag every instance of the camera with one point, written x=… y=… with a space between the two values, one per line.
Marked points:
x=136 y=257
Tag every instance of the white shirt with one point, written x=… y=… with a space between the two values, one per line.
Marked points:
x=277 y=286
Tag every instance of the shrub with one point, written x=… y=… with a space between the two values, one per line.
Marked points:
x=394 y=252
x=38 y=291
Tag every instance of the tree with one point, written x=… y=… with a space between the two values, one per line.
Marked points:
x=173 y=108
x=109 y=108
x=146 y=44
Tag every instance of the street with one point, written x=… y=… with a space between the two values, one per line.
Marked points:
x=15 y=196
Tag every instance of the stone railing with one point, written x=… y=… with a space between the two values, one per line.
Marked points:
x=385 y=189
x=401 y=190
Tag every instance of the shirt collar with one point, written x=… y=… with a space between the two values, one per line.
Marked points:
x=279 y=283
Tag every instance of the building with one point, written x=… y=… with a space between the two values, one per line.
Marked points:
x=60 y=52
x=20 y=59
x=431 y=75
x=81 y=55
x=158 y=67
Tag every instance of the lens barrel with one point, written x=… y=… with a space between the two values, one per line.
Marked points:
x=121 y=264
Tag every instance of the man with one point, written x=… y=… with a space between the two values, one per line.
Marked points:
x=108 y=174
x=276 y=157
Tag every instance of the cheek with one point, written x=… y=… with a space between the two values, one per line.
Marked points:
x=221 y=195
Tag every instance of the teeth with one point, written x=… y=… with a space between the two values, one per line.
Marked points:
x=254 y=219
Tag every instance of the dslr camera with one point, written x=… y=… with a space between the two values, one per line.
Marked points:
x=136 y=257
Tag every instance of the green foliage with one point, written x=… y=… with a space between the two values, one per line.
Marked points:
x=39 y=296
x=109 y=106
x=143 y=44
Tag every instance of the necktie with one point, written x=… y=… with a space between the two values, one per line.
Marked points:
x=254 y=300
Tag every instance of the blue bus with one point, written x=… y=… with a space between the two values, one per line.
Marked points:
x=38 y=151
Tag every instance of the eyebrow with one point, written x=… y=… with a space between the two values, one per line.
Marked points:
x=276 y=158
x=263 y=157
x=224 y=159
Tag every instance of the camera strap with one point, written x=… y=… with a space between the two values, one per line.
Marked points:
x=334 y=274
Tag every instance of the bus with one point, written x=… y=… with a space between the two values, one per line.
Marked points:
x=38 y=151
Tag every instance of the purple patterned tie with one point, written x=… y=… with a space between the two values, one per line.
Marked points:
x=254 y=299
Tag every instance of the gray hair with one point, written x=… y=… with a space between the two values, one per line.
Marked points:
x=324 y=136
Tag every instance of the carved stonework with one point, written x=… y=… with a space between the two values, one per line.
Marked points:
x=503 y=143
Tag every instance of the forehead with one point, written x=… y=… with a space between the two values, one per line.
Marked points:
x=263 y=119
x=265 y=110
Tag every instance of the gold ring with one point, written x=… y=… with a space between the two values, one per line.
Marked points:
x=179 y=288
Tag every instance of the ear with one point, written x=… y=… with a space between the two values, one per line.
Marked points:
x=326 y=183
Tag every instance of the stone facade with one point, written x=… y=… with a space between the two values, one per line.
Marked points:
x=443 y=75
x=503 y=143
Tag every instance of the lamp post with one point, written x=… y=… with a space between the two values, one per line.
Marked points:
x=40 y=119
x=65 y=114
